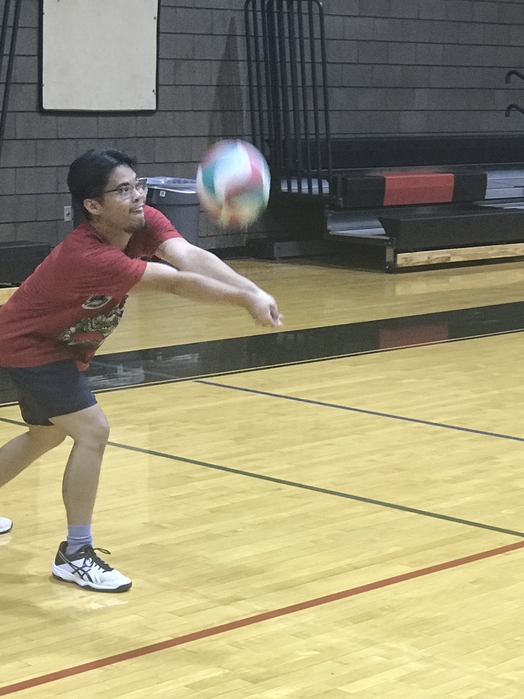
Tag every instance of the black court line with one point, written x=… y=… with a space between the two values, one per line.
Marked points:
x=302 y=486
x=213 y=358
x=280 y=365
x=316 y=489
x=167 y=379
x=362 y=411
x=13 y=422
x=149 y=382
x=263 y=367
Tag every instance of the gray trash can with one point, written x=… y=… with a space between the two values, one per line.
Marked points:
x=177 y=199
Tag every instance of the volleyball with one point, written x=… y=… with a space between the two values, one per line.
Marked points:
x=233 y=183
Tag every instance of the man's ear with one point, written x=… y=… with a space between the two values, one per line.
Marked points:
x=93 y=206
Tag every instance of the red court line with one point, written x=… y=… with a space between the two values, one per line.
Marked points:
x=249 y=621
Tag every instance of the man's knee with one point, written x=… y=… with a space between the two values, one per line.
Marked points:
x=101 y=431
x=95 y=431
x=87 y=427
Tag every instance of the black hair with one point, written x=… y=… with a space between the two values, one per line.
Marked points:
x=89 y=174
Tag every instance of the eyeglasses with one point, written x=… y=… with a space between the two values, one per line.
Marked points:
x=125 y=191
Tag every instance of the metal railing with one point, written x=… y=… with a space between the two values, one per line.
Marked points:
x=512 y=72
x=288 y=92
x=513 y=107
x=4 y=32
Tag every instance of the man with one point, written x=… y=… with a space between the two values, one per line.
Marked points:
x=53 y=324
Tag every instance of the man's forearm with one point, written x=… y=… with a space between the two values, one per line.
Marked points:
x=204 y=262
x=202 y=287
x=197 y=287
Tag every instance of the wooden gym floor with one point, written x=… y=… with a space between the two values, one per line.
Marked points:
x=334 y=510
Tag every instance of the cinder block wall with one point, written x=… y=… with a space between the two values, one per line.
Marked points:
x=395 y=67
x=424 y=66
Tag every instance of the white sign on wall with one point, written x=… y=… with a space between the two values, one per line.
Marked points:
x=99 y=55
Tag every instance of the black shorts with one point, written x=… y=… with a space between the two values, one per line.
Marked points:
x=50 y=390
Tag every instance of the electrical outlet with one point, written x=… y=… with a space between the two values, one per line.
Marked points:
x=68 y=214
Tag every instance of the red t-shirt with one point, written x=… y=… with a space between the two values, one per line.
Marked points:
x=75 y=298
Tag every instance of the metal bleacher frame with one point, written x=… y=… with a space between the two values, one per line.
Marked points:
x=288 y=91
x=322 y=187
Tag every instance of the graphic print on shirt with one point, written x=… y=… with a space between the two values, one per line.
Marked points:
x=96 y=302
x=89 y=333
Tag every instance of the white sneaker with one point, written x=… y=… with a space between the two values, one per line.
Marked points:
x=86 y=569
x=5 y=525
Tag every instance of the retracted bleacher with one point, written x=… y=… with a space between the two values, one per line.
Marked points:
x=401 y=201
x=466 y=203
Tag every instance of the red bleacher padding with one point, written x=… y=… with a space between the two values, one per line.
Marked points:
x=419 y=188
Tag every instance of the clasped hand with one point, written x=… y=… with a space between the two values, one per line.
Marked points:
x=263 y=309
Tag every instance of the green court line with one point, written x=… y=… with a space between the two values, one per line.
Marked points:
x=316 y=489
x=361 y=411
x=304 y=486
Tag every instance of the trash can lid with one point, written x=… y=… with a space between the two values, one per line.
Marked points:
x=173 y=184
